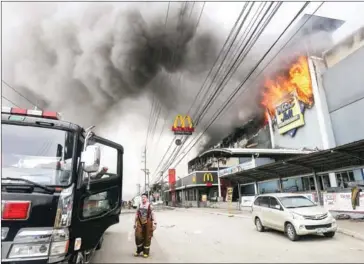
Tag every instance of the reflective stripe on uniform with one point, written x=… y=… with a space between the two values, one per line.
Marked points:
x=140 y=245
x=147 y=247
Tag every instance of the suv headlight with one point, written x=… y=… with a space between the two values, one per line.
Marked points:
x=64 y=208
x=297 y=216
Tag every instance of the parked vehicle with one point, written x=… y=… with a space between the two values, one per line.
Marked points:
x=136 y=201
x=294 y=214
x=57 y=199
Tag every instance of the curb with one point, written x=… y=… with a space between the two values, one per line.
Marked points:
x=350 y=233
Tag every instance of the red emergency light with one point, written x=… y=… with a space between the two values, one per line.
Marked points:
x=15 y=210
x=29 y=112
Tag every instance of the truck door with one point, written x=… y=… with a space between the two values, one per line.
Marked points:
x=99 y=207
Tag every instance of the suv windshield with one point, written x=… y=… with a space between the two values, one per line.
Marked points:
x=42 y=155
x=296 y=201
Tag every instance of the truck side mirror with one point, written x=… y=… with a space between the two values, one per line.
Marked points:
x=91 y=158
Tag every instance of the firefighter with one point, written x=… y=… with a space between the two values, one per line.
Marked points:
x=145 y=224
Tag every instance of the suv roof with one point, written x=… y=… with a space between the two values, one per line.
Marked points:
x=278 y=195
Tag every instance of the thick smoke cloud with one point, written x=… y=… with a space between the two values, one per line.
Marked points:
x=95 y=61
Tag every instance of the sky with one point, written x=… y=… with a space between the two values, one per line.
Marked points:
x=128 y=120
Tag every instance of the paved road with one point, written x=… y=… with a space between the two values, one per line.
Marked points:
x=195 y=236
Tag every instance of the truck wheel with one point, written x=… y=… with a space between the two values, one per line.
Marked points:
x=79 y=258
x=99 y=245
x=329 y=234
x=291 y=232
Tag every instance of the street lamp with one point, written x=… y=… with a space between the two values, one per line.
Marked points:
x=218 y=179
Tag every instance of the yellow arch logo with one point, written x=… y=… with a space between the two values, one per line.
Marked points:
x=208 y=177
x=179 y=125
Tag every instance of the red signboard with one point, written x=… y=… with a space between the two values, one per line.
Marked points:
x=172 y=175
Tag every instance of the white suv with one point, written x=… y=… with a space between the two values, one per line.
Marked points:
x=294 y=214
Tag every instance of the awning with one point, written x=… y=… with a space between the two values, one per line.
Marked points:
x=190 y=186
x=343 y=157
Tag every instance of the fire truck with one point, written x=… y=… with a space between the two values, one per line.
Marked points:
x=58 y=198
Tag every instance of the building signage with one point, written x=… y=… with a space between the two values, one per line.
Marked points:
x=208 y=179
x=172 y=176
x=229 y=197
x=241 y=167
x=289 y=114
x=180 y=127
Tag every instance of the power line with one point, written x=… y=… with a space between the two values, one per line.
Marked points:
x=252 y=71
x=237 y=62
x=239 y=59
x=280 y=50
x=199 y=92
x=153 y=107
x=201 y=12
x=10 y=101
x=19 y=93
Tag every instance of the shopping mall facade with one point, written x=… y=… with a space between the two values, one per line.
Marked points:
x=322 y=112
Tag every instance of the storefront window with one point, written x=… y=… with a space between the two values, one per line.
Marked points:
x=343 y=178
x=292 y=185
x=247 y=190
x=268 y=187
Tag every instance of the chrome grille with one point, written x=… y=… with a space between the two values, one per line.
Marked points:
x=315 y=217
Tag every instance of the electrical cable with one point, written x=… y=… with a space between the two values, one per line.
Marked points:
x=10 y=101
x=19 y=93
x=260 y=31
x=201 y=12
x=173 y=158
x=215 y=63
x=154 y=97
x=239 y=59
x=279 y=51
x=252 y=71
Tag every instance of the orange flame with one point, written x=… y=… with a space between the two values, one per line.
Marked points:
x=297 y=80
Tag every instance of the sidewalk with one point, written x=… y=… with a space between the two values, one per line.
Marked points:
x=353 y=228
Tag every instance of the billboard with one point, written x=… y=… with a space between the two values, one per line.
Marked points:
x=289 y=114
x=172 y=176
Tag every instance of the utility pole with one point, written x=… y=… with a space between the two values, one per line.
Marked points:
x=144 y=156
x=162 y=196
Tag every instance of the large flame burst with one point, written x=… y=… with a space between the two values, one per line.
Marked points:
x=296 y=80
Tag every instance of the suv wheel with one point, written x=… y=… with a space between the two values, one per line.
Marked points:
x=258 y=225
x=291 y=232
x=329 y=234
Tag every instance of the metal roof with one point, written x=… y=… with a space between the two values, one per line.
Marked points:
x=252 y=151
x=343 y=157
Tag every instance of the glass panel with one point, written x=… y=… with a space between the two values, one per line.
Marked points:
x=268 y=187
x=273 y=202
x=100 y=203
x=42 y=155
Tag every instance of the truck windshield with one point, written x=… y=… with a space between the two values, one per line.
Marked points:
x=42 y=155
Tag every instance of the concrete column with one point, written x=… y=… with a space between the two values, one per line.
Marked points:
x=239 y=193
x=280 y=184
x=256 y=189
x=318 y=191
x=198 y=197
x=316 y=66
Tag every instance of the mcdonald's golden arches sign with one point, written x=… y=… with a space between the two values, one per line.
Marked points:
x=208 y=179
x=181 y=127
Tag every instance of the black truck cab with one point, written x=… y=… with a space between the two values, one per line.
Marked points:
x=61 y=188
